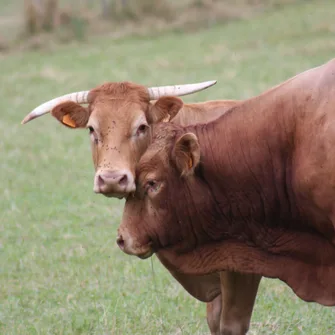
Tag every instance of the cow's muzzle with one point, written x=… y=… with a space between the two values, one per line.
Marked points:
x=117 y=183
x=129 y=247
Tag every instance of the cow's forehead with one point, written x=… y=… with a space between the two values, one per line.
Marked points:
x=162 y=141
x=164 y=131
x=116 y=112
x=153 y=164
x=157 y=155
x=123 y=92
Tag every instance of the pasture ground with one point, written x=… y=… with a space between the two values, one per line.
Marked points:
x=60 y=269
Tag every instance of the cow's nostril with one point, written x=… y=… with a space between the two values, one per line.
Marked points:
x=120 y=242
x=101 y=181
x=123 y=181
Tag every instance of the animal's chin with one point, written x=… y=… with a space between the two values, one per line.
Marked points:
x=115 y=195
x=146 y=255
x=147 y=251
x=119 y=195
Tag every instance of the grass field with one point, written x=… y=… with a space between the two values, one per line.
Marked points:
x=60 y=269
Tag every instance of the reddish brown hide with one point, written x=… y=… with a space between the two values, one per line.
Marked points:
x=252 y=191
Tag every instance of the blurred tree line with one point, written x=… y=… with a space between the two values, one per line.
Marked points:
x=46 y=15
x=39 y=15
x=73 y=19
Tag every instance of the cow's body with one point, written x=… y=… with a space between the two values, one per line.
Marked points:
x=260 y=199
x=115 y=110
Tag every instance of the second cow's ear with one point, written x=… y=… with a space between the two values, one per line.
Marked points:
x=186 y=153
x=165 y=109
x=71 y=114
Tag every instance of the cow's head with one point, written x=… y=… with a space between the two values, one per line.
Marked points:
x=118 y=117
x=170 y=196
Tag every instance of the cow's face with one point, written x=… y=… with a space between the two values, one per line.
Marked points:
x=119 y=128
x=119 y=133
x=157 y=215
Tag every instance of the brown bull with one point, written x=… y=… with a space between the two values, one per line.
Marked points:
x=252 y=191
x=119 y=117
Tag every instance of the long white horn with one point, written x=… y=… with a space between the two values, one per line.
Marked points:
x=78 y=97
x=178 y=90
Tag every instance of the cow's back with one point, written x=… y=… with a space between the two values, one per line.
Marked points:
x=313 y=165
x=203 y=112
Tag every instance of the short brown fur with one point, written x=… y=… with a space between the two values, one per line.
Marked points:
x=261 y=200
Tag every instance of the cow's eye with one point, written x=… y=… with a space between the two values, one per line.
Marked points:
x=152 y=186
x=93 y=134
x=141 y=129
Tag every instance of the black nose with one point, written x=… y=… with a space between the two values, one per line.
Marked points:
x=120 y=242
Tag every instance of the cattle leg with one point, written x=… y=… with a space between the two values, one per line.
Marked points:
x=238 y=293
x=213 y=310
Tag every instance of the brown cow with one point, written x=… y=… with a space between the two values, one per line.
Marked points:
x=118 y=117
x=252 y=191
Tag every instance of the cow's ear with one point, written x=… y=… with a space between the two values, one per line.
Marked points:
x=186 y=153
x=165 y=109
x=71 y=114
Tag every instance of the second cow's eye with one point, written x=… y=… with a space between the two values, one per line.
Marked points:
x=141 y=129
x=152 y=186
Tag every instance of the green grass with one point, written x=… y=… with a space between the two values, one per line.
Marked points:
x=60 y=269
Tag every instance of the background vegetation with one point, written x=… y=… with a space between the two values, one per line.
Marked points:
x=36 y=24
x=60 y=269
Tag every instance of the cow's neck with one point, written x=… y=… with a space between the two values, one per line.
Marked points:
x=246 y=166
x=246 y=163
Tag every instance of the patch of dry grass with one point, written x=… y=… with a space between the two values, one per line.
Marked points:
x=83 y=20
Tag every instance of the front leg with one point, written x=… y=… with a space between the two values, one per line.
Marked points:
x=213 y=311
x=238 y=293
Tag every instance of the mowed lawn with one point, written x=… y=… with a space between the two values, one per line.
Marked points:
x=61 y=271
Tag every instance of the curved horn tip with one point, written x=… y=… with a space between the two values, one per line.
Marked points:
x=27 y=119
x=212 y=82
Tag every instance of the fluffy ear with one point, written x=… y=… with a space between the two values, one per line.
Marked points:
x=165 y=109
x=186 y=153
x=71 y=114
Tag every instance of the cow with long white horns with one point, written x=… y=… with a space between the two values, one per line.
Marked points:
x=83 y=97
x=115 y=148
x=119 y=118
